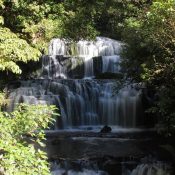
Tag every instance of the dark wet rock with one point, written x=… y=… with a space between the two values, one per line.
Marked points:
x=89 y=128
x=14 y=84
x=80 y=147
x=112 y=167
x=106 y=129
x=109 y=75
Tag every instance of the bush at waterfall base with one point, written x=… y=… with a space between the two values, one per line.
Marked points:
x=22 y=134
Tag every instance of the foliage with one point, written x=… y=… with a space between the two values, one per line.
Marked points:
x=23 y=24
x=20 y=130
x=14 y=49
x=86 y=19
x=26 y=26
x=3 y=100
x=151 y=44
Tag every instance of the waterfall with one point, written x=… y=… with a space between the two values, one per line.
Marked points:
x=93 y=167
x=111 y=63
x=155 y=168
x=108 y=49
x=85 y=101
x=66 y=168
x=69 y=80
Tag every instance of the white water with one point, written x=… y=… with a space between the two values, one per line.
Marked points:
x=100 y=47
x=91 y=168
x=107 y=48
x=151 y=169
x=82 y=102
x=111 y=63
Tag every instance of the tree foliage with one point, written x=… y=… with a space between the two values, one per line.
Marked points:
x=13 y=49
x=20 y=131
x=24 y=29
x=151 y=45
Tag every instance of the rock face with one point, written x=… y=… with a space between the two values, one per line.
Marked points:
x=78 y=145
x=106 y=129
x=110 y=153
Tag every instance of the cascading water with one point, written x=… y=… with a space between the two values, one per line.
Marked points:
x=92 y=168
x=57 y=65
x=149 y=166
x=111 y=63
x=84 y=101
x=69 y=80
x=151 y=169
